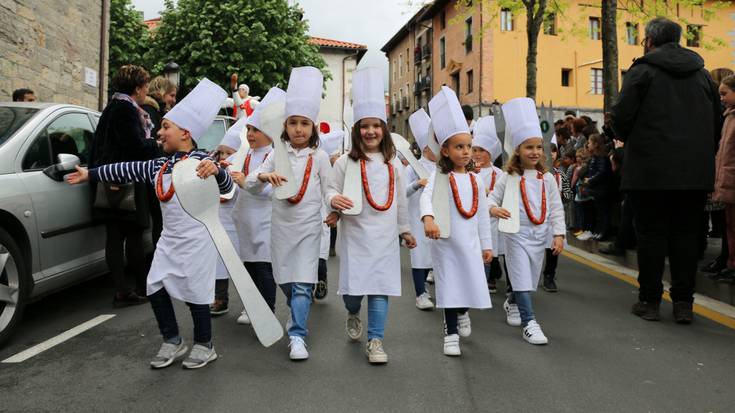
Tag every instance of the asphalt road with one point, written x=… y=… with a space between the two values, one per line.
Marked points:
x=599 y=359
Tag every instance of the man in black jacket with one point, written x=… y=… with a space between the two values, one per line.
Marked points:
x=666 y=115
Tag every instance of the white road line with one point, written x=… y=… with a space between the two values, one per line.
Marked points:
x=54 y=341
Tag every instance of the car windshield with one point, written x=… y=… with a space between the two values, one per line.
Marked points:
x=11 y=119
x=213 y=136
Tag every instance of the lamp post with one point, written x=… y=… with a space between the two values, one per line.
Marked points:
x=171 y=72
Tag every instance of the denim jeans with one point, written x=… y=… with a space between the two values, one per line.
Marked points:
x=377 y=312
x=525 y=306
x=298 y=298
x=419 y=279
x=163 y=309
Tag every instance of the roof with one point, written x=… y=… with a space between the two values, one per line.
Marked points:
x=152 y=23
x=324 y=43
x=403 y=31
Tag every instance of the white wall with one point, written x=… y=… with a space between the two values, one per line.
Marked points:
x=331 y=106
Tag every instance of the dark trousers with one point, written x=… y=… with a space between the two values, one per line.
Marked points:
x=322 y=270
x=602 y=216
x=125 y=239
x=163 y=309
x=222 y=290
x=667 y=224
x=262 y=275
x=626 y=232
x=450 y=318
x=493 y=270
x=419 y=279
x=551 y=262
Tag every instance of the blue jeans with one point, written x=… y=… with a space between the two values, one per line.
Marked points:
x=525 y=306
x=419 y=279
x=377 y=312
x=298 y=298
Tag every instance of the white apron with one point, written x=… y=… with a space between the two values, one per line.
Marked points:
x=326 y=234
x=459 y=272
x=421 y=255
x=498 y=239
x=185 y=258
x=252 y=216
x=369 y=250
x=225 y=217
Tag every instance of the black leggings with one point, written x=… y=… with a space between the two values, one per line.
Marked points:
x=163 y=309
x=551 y=262
x=262 y=275
x=450 y=318
x=322 y=271
x=125 y=240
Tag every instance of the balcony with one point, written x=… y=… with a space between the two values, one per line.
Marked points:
x=426 y=83
x=426 y=51
x=417 y=56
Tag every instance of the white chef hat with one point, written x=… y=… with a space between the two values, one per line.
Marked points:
x=304 y=92
x=419 y=123
x=553 y=140
x=486 y=137
x=244 y=87
x=368 y=98
x=275 y=94
x=522 y=119
x=197 y=110
x=232 y=136
x=331 y=141
x=447 y=117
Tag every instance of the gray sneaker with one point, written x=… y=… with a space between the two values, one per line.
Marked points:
x=200 y=356
x=168 y=354
x=353 y=326
x=375 y=352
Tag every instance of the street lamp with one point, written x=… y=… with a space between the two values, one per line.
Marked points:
x=171 y=72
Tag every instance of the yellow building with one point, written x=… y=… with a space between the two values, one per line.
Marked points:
x=481 y=53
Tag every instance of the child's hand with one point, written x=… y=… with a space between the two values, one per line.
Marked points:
x=206 y=168
x=410 y=240
x=498 y=212
x=423 y=182
x=272 y=178
x=430 y=228
x=557 y=246
x=332 y=219
x=341 y=202
x=238 y=178
x=487 y=256
x=81 y=175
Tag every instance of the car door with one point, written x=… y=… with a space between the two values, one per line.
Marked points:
x=68 y=237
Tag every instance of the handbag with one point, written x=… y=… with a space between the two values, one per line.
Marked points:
x=115 y=196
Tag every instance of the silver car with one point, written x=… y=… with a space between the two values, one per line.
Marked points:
x=48 y=239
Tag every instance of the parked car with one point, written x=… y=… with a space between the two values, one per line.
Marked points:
x=48 y=239
x=214 y=134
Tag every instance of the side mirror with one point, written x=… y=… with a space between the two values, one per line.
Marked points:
x=66 y=164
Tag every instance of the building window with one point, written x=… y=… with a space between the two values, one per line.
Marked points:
x=400 y=64
x=456 y=85
x=595 y=28
x=506 y=20
x=596 y=81
x=694 y=35
x=442 y=53
x=443 y=20
x=550 y=24
x=566 y=77
x=468 y=35
x=394 y=70
x=470 y=81
x=631 y=32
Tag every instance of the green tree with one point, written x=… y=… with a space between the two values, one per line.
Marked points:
x=129 y=38
x=260 y=40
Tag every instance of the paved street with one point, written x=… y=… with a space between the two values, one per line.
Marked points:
x=600 y=358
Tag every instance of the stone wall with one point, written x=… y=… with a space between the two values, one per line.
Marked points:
x=46 y=46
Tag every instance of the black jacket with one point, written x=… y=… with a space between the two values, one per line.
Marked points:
x=666 y=115
x=120 y=137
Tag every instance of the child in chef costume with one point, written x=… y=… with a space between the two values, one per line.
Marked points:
x=296 y=226
x=185 y=259
x=486 y=149
x=253 y=208
x=458 y=260
x=528 y=198
x=421 y=255
x=369 y=249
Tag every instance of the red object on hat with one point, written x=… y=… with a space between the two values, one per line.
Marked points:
x=324 y=127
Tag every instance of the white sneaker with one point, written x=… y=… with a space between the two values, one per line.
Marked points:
x=451 y=345
x=464 y=326
x=243 y=318
x=298 y=349
x=199 y=357
x=353 y=326
x=430 y=277
x=585 y=236
x=423 y=302
x=512 y=314
x=167 y=354
x=533 y=334
x=375 y=352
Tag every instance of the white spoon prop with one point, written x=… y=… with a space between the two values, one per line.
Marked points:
x=272 y=118
x=404 y=148
x=200 y=199
x=238 y=158
x=353 y=187
x=440 y=203
x=511 y=197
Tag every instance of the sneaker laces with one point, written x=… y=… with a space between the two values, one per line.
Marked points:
x=375 y=346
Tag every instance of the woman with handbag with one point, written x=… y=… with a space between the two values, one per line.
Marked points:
x=123 y=134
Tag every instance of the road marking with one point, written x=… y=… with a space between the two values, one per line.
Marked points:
x=54 y=341
x=704 y=306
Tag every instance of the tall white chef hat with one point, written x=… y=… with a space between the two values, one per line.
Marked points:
x=275 y=94
x=522 y=119
x=447 y=117
x=331 y=141
x=232 y=136
x=304 y=92
x=486 y=137
x=419 y=123
x=197 y=110
x=368 y=98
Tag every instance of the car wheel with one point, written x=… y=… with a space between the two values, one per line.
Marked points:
x=13 y=285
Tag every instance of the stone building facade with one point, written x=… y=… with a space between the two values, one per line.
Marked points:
x=56 y=48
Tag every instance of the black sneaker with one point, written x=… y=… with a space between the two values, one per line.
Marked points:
x=647 y=311
x=612 y=250
x=320 y=292
x=219 y=307
x=726 y=276
x=683 y=312
x=550 y=285
x=492 y=286
x=121 y=300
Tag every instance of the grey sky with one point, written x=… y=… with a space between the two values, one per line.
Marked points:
x=368 y=22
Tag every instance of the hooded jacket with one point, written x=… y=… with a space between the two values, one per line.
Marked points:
x=667 y=114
